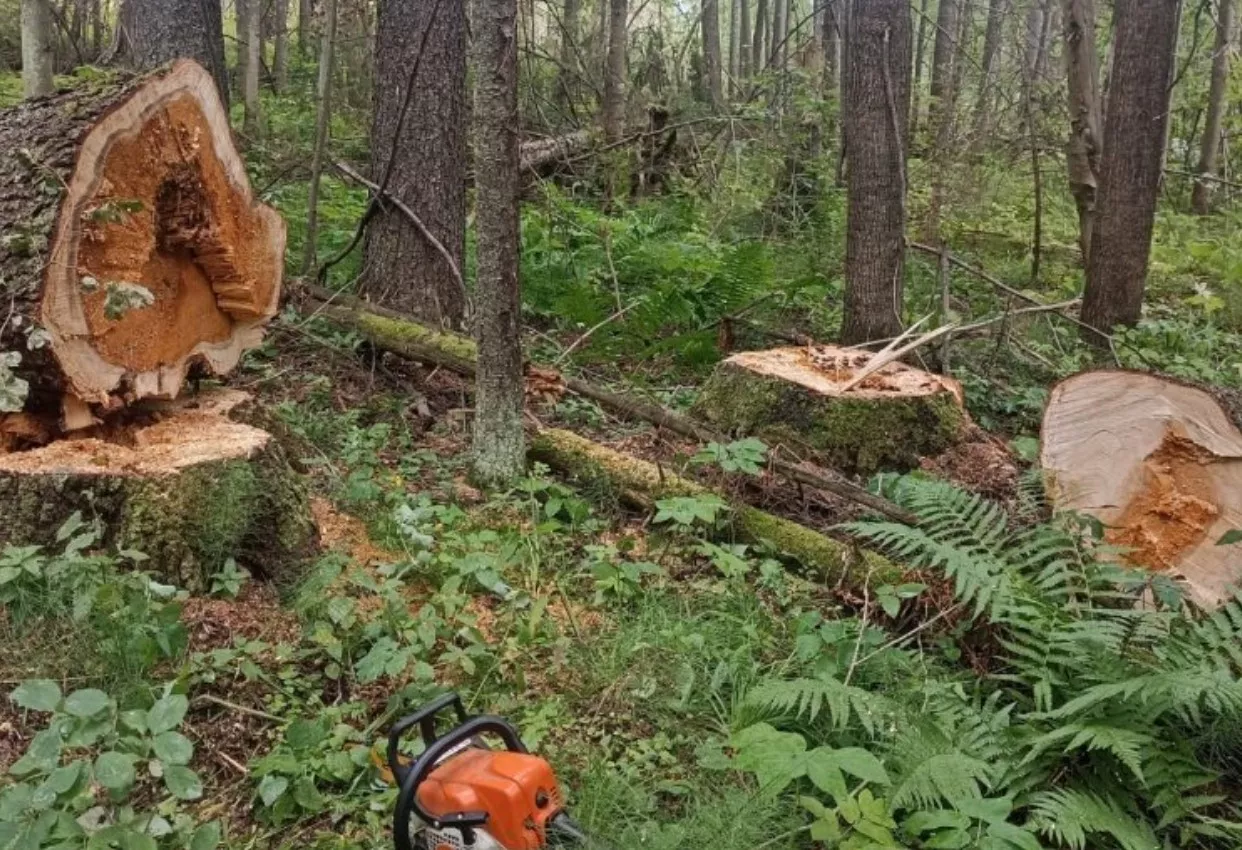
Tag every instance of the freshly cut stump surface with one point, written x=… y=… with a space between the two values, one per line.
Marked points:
x=798 y=397
x=133 y=248
x=186 y=484
x=1159 y=462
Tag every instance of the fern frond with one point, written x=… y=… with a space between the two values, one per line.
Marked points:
x=947 y=777
x=1069 y=815
x=810 y=697
x=1125 y=744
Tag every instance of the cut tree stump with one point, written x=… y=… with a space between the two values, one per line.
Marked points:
x=185 y=483
x=643 y=483
x=132 y=247
x=798 y=397
x=1159 y=463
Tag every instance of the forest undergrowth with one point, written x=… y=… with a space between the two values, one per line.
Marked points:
x=1015 y=689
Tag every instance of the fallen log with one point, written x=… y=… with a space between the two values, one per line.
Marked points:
x=642 y=482
x=543 y=155
x=406 y=337
x=1159 y=462
x=132 y=247
x=189 y=486
x=811 y=396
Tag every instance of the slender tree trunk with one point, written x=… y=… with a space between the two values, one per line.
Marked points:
x=305 y=13
x=499 y=450
x=252 y=121
x=944 y=53
x=280 y=38
x=323 y=122
x=759 y=44
x=614 y=82
x=567 y=74
x=151 y=33
x=241 y=15
x=745 y=38
x=710 y=28
x=1201 y=195
x=1130 y=164
x=97 y=29
x=418 y=153
x=845 y=23
x=1082 y=154
x=832 y=46
x=37 y=55
x=780 y=22
x=878 y=103
x=920 y=56
x=987 y=72
x=735 y=41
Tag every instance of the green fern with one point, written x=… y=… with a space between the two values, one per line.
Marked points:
x=1069 y=815
x=810 y=697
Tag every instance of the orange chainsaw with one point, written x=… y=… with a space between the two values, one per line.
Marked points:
x=461 y=793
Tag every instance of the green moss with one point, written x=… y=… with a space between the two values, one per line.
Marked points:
x=857 y=434
x=412 y=338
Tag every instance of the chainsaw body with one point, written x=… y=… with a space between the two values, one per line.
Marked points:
x=460 y=793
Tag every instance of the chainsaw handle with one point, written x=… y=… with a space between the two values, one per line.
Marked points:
x=407 y=799
x=425 y=719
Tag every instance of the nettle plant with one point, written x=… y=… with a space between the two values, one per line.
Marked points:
x=75 y=784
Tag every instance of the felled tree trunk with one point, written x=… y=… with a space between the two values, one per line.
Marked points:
x=798 y=397
x=132 y=246
x=1159 y=462
x=644 y=483
x=190 y=489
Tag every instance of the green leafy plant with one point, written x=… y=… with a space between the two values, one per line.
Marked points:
x=746 y=456
x=313 y=755
x=229 y=581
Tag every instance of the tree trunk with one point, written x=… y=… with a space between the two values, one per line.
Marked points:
x=735 y=40
x=759 y=43
x=37 y=55
x=710 y=28
x=987 y=72
x=323 y=122
x=280 y=58
x=1201 y=195
x=418 y=155
x=567 y=74
x=1082 y=154
x=241 y=20
x=876 y=106
x=252 y=121
x=133 y=245
x=498 y=445
x=1130 y=164
x=780 y=28
x=832 y=47
x=305 y=13
x=613 y=117
x=745 y=38
x=944 y=53
x=920 y=60
x=97 y=29
x=152 y=33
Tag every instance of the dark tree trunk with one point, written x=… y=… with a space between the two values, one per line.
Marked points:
x=613 y=117
x=735 y=40
x=877 y=103
x=567 y=74
x=499 y=451
x=832 y=46
x=323 y=121
x=418 y=153
x=241 y=15
x=987 y=72
x=1130 y=166
x=759 y=44
x=1201 y=195
x=744 y=40
x=280 y=57
x=710 y=28
x=152 y=33
x=305 y=13
x=780 y=29
x=1082 y=154
x=944 y=52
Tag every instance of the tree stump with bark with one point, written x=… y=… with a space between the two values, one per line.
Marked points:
x=132 y=250
x=802 y=398
x=133 y=256
x=1159 y=462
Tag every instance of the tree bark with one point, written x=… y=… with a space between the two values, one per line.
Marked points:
x=567 y=74
x=280 y=57
x=877 y=106
x=832 y=47
x=759 y=42
x=987 y=72
x=780 y=29
x=499 y=442
x=613 y=111
x=1130 y=165
x=152 y=33
x=241 y=17
x=1082 y=154
x=305 y=13
x=735 y=40
x=920 y=60
x=745 y=38
x=418 y=154
x=323 y=121
x=133 y=244
x=944 y=53
x=37 y=54
x=252 y=121
x=1201 y=195
x=710 y=28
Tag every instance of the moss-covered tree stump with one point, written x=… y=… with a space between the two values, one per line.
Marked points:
x=800 y=397
x=187 y=485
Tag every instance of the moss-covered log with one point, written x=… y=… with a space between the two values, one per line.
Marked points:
x=190 y=489
x=800 y=397
x=131 y=245
x=642 y=482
